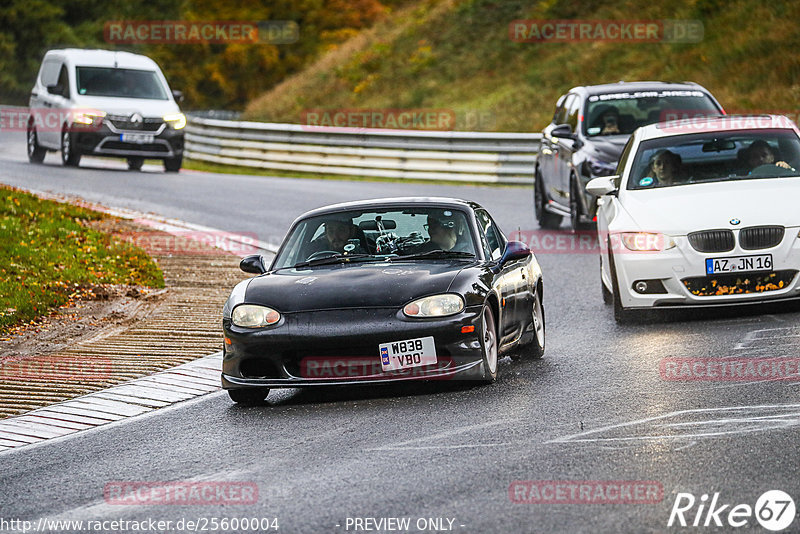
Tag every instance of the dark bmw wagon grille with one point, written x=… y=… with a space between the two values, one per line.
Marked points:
x=757 y=237
x=712 y=241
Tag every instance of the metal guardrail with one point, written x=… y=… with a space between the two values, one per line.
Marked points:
x=490 y=157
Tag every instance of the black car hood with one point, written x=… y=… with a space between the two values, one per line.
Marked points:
x=609 y=148
x=356 y=285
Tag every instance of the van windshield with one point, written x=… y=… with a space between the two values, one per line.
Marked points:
x=123 y=83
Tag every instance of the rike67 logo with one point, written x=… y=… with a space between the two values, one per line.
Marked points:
x=774 y=510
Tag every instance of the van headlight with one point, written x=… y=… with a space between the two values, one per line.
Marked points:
x=435 y=306
x=175 y=120
x=88 y=117
x=254 y=316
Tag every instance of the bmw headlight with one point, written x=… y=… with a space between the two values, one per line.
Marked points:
x=646 y=241
x=176 y=120
x=597 y=167
x=254 y=316
x=435 y=306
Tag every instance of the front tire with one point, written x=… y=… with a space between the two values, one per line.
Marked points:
x=35 y=152
x=537 y=347
x=489 y=345
x=70 y=156
x=543 y=217
x=248 y=396
x=621 y=315
x=575 y=209
x=173 y=164
x=135 y=163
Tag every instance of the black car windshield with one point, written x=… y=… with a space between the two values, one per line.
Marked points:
x=623 y=112
x=122 y=83
x=715 y=156
x=380 y=234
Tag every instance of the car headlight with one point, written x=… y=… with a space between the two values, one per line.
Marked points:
x=88 y=117
x=646 y=241
x=435 y=306
x=254 y=316
x=176 y=120
x=597 y=167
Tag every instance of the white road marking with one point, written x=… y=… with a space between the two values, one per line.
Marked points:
x=766 y=422
x=463 y=430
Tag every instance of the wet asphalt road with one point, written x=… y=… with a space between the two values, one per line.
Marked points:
x=595 y=408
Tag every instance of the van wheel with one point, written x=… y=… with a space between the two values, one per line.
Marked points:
x=135 y=164
x=35 y=152
x=173 y=164
x=70 y=156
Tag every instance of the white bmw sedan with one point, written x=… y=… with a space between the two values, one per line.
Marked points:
x=702 y=212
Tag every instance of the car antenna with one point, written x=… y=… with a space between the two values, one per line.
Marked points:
x=115 y=59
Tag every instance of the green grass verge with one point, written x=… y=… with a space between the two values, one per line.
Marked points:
x=204 y=166
x=48 y=252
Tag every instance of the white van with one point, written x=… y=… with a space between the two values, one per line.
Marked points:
x=104 y=103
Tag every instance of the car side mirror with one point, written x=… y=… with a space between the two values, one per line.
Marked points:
x=55 y=89
x=177 y=95
x=253 y=264
x=515 y=250
x=604 y=185
x=563 y=130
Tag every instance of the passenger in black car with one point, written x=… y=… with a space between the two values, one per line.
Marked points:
x=446 y=232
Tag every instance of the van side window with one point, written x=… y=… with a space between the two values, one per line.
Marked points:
x=49 y=74
x=63 y=81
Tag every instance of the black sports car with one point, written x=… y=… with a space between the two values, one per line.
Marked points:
x=382 y=290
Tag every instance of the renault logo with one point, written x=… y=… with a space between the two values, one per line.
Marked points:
x=136 y=118
x=735 y=221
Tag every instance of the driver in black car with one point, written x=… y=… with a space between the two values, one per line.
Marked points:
x=338 y=232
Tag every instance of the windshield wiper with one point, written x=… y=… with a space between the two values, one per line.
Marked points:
x=435 y=253
x=328 y=260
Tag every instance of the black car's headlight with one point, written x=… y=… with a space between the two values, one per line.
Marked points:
x=598 y=167
x=435 y=306
x=254 y=316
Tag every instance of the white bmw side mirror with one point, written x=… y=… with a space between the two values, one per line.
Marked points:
x=603 y=185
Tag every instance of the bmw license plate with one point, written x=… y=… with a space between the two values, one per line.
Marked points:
x=138 y=138
x=735 y=264
x=408 y=353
